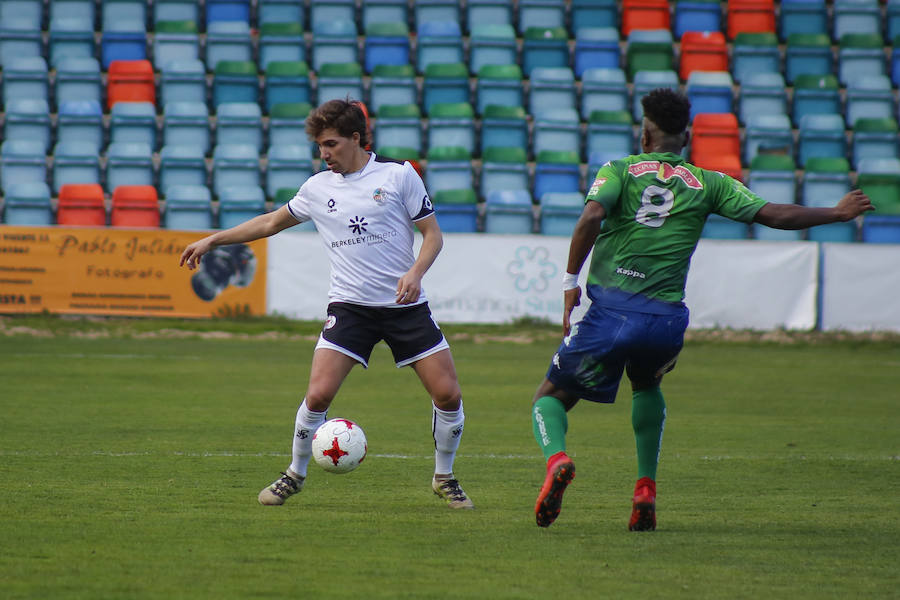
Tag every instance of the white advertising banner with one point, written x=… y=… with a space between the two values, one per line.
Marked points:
x=862 y=287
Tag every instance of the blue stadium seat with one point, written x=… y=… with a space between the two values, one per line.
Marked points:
x=488 y=12
x=384 y=11
x=594 y=13
x=236 y=165
x=28 y=120
x=610 y=135
x=287 y=167
x=697 y=15
x=444 y=83
x=509 y=211
x=557 y=129
x=504 y=168
x=188 y=207
x=399 y=125
x=174 y=41
x=28 y=204
x=175 y=10
x=78 y=79
x=457 y=210
x=772 y=178
x=71 y=37
x=239 y=123
x=603 y=89
x=436 y=11
x=387 y=44
x=821 y=135
x=771 y=131
x=500 y=85
x=861 y=55
x=19 y=39
x=64 y=9
x=115 y=12
x=710 y=92
x=761 y=94
x=452 y=124
x=491 y=45
x=544 y=47
x=181 y=165
x=560 y=211
x=334 y=42
x=235 y=81
x=815 y=94
x=227 y=41
x=596 y=48
x=504 y=126
x=287 y=123
x=239 y=203
x=22 y=161
x=133 y=122
x=438 y=42
x=227 y=10
x=802 y=16
x=280 y=11
x=129 y=163
x=183 y=81
x=541 y=13
x=855 y=16
x=874 y=138
x=281 y=42
x=646 y=81
x=718 y=227
x=879 y=178
x=286 y=82
x=80 y=121
x=807 y=53
x=123 y=40
x=26 y=11
x=340 y=80
x=556 y=171
x=323 y=11
x=448 y=168
x=186 y=124
x=25 y=77
x=869 y=96
x=825 y=181
x=552 y=88
x=392 y=84
x=75 y=162
x=755 y=53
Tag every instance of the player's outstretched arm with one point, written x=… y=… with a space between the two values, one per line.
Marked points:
x=258 y=227
x=409 y=287
x=794 y=216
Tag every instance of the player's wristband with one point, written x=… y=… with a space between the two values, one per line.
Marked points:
x=570 y=281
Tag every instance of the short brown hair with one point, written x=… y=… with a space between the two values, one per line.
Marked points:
x=344 y=116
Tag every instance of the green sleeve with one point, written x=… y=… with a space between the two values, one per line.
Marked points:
x=607 y=186
x=732 y=199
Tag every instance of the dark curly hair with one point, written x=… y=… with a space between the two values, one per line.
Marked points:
x=667 y=109
x=344 y=116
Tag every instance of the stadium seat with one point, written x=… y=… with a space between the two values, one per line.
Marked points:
x=750 y=16
x=771 y=132
x=715 y=135
x=283 y=196
x=239 y=123
x=491 y=45
x=175 y=10
x=718 y=227
x=500 y=85
x=696 y=15
x=26 y=11
x=78 y=79
x=892 y=28
x=22 y=161
x=130 y=81
x=509 y=211
x=392 y=84
x=27 y=204
x=188 y=207
x=609 y=135
x=504 y=168
x=645 y=14
x=435 y=11
x=603 y=89
x=452 y=124
x=81 y=204
x=186 y=124
x=129 y=163
x=287 y=123
x=71 y=37
x=556 y=171
x=710 y=92
x=802 y=16
x=457 y=210
x=227 y=40
x=559 y=212
x=874 y=138
x=541 y=13
x=755 y=53
x=280 y=42
x=771 y=176
x=821 y=136
x=552 y=88
x=323 y=11
x=64 y=9
x=115 y=12
x=814 y=95
x=448 y=168
x=235 y=81
x=544 y=47
x=183 y=81
x=227 y=10
x=334 y=42
x=181 y=165
x=557 y=130
x=645 y=82
x=388 y=44
x=763 y=93
x=25 y=77
x=240 y=203
x=134 y=206
x=869 y=96
x=384 y=11
x=340 y=80
x=855 y=16
x=861 y=55
x=175 y=40
x=19 y=39
x=807 y=53
x=596 y=48
x=123 y=40
x=236 y=165
x=879 y=178
x=445 y=83
x=593 y=13
x=286 y=82
x=503 y=126
x=438 y=42
x=702 y=51
x=288 y=167
x=649 y=50
x=488 y=12
x=825 y=181
x=28 y=120
x=399 y=125
x=75 y=162
x=80 y=121
x=133 y=122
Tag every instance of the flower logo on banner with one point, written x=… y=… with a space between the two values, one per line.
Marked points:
x=531 y=269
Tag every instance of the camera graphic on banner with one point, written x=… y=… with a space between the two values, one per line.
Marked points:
x=228 y=265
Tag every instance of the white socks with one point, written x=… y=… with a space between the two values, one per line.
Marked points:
x=447 y=429
x=306 y=424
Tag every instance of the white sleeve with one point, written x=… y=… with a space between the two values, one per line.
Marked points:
x=298 y=206
x=416 y=199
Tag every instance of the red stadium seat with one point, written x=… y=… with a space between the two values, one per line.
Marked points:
x=702 y=51
x=716 y=143
x=134 y=206
x=81 y=204
x=130 y=81
x=645 y=14
x=750 y=16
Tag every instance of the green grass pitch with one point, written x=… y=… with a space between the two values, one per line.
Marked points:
x=130 y=465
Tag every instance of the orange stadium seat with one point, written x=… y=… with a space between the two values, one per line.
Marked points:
x=702 y=51
x=130 y=81
x=134 y=206
x=645 y=14
x=81 y=204
x=716 y=143
x=750 y=16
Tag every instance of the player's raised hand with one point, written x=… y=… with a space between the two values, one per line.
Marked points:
x=854 y=204
x=571 y=299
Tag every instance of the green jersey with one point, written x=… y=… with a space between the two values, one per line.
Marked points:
x=656 y=205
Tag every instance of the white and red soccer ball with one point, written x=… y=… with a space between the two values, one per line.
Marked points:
x=339 y=445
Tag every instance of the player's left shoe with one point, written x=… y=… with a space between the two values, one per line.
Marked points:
x=560 y=473
x=643 y=511
x=450 y=490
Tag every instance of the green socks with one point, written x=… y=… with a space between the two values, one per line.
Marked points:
x=648 y=418
x=548 y=418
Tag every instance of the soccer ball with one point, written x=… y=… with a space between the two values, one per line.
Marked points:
x=339 y=445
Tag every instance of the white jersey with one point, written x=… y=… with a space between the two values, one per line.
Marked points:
x=366 y=220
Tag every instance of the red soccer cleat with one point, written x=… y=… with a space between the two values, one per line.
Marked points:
x=560 y=473
x=643 y=511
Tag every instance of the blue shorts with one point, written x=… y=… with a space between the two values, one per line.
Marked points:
x=590 y=361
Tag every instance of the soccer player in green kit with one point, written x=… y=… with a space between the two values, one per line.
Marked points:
x=642 y=217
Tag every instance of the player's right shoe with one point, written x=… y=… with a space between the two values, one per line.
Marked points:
x=450 y=490
x=281 y=489
x=643 y=511
x=560 y=473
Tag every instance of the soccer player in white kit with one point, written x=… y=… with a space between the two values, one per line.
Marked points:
x=364 y=207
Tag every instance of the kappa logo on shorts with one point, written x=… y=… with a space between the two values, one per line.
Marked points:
x=330 y=321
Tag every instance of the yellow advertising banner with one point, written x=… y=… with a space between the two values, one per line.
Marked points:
x=128 y=272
